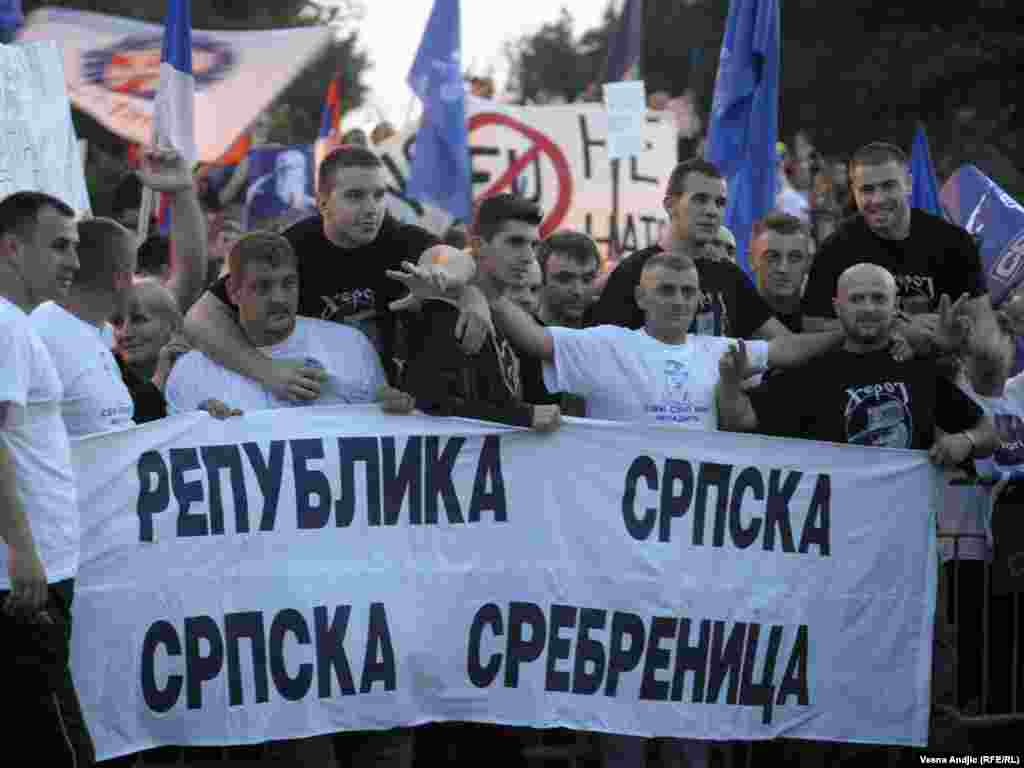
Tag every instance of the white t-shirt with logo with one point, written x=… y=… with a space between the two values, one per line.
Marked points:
x=33 y=433
x=352 y=364
x=626 y=375
x=95 y=396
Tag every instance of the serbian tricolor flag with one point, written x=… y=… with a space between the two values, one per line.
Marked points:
x=174 y=110
x=329 y=136
x=174 y=118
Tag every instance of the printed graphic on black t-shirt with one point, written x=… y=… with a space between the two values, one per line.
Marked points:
x=879 y=415
x=915 y=294
x=508 y=363
x=348 y=303
x=712 y=317
x=863 y=399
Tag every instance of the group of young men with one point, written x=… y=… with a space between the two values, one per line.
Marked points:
x=350 y=306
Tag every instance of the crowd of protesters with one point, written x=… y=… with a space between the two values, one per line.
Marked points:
x=853 y=291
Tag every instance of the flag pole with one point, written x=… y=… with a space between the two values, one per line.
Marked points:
x=146 y=208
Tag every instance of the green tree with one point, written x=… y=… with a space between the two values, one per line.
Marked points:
x=551 y=63
x=851 y=71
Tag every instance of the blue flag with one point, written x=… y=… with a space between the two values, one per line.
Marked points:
x=745 y=116
x=995 y=220
x=924 y=192
x=11 y=19
x=440 y=171
x=626 y=43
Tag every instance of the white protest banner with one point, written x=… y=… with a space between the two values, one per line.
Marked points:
x=112 y=66
x=299 y=572
x=557 y=156
x=39 y=151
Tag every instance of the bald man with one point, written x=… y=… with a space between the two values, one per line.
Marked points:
x=857 y=393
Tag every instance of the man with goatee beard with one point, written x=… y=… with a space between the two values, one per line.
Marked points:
x=859 y=395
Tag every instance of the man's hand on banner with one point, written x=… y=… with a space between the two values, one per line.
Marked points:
x=164 y=170
x=395 y=400
x=219 y=410
x=546 y=418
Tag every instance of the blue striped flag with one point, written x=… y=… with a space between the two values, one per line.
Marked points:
x=174 y=110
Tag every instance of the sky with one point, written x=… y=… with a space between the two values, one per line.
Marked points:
x=391 y=30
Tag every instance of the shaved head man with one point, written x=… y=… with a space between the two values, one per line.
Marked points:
x=865 y=305
x=859 y=394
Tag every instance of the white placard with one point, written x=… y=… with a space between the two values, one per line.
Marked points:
x=626 y=103
x=38 y=146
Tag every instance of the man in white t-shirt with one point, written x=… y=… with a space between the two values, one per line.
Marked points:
x=95 y=396
x=264 y=284
x=39 y=525
x=658 y=374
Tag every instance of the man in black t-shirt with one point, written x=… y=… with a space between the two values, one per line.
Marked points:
x=344 y=253
x=857 y=393
x=926 y=255
x=730 y=306
x=569 y=262
x=780 y=255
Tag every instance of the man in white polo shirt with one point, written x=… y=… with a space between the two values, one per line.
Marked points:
x=659 y=373
x=264 y=284
x=39 y=524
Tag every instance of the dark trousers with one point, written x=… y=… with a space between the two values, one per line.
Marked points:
x=43 y=706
